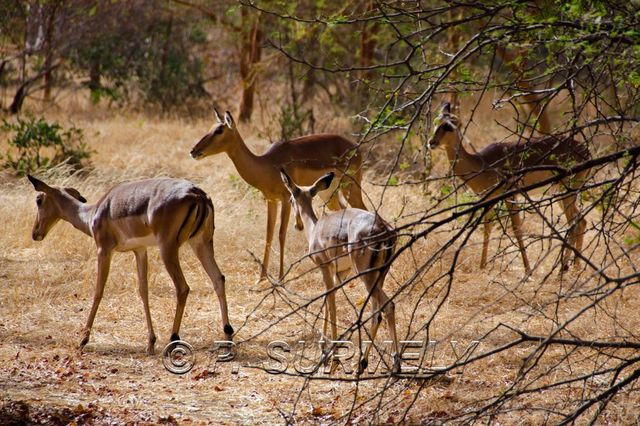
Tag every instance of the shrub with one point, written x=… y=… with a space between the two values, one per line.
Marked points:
x=38 y=144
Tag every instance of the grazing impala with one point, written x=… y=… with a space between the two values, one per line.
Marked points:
x=130 y=217
x=305 y=158
x=491 y=171
x=349 y=239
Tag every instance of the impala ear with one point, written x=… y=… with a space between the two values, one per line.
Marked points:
x=228 y=119
x=75 y=194
x=39 y=185
x=217 y=114
x=321 y=184
x=445 y=109
x=447 y=126
x=288 y=183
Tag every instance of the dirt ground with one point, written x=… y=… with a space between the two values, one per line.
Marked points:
x=47 y=289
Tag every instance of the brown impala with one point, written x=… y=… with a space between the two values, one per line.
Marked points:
x=486 y=173
x=159 y=212
x=305 y=159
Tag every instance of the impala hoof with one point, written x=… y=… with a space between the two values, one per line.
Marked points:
x=396 y=369
x=258 y=285
x=151 y=346
x=175 y=337
x=83 y=342
x=362 y=366
x=228 y=330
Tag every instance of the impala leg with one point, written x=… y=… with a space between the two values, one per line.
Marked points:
x=333 y=203
x=517 y=230
x=352 y=190
x=285 y=213
x=376 y=320
x=331 y=196
x=576 y=235
x=203 y=249
x=488 y=227
x=143 y=289
x=374 y=285
x=272 y=209
x=581 y=227
x=104 y=262
x=330 y=302
x=390 y=312
x=329 y=276
x=169 y=255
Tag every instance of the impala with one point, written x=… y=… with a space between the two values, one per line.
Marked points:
x=305 y=158
x=130 y=217
x=491 y=171
x=347 y=240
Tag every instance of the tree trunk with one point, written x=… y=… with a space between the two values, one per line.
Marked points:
x=165 y=98
x=250 y=53
x=367 y=48
x=454 y=36
x=49 y=49
x=94 y=75
x=23 y=90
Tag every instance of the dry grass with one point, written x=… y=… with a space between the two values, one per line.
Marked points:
x=47 y=290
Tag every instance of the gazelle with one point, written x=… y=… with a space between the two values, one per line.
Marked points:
x=349 y=239
x=130 y=217
x=490 y=172
x=305 y=158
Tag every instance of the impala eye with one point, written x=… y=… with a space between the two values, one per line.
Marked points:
x=219 y=131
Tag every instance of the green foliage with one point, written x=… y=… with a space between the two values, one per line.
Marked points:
x=37 y=144
x=606 y=197
x=445 y=190
x=634 y=238
x=152 y=58
x=292 y=122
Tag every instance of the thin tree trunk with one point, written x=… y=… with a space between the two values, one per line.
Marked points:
x=454 y=37
x=251 y=51
x=367 y=48
x=49 y=50
x=23 y=90
x=94 y=75
x=164 y=77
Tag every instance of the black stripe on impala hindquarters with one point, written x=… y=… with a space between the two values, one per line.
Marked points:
x=201 y=215
x=192 y=207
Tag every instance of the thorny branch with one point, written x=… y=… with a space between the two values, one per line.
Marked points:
x=574 y=334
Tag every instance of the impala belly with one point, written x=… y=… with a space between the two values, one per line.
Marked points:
x=133 y=232
x=343 y=262
x=137 y=242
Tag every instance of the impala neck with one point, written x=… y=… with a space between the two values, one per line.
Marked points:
x=463 y=162
x=309 y=219
x=252 y=168
x=78 y=214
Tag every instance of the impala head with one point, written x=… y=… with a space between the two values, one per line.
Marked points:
x=301 y=196
x=49 y=200
x=444 y=127
x=220 y=138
